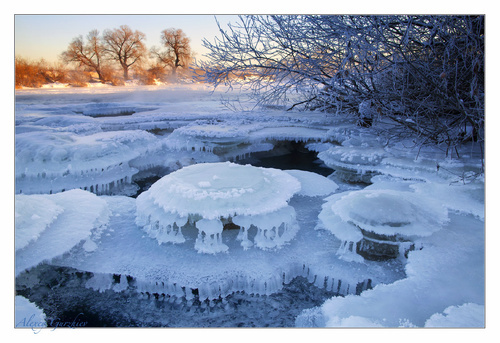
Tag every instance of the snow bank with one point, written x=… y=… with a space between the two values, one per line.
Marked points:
x=447 y=271
x=65 y=220
x=464 y=316
x=33 y=214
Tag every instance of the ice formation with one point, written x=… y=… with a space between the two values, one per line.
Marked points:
x=207 y=193
x=178 y=271
x=50 y=225
x=463 y=198
x=359 y=156
x=111 y=109
x=353 y=163
x=209 y=236
x=235 y=139
x=217 y=137
x=379 y=223
x=33 y=215
x=50 y=162
x=273 y=229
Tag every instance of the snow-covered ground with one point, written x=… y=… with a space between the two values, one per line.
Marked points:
x=146 y=188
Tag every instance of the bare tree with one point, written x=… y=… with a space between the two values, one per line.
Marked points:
x=90 y=54
x=178 y=51
x=53 y=72
x=125 y=46
x=423 y=74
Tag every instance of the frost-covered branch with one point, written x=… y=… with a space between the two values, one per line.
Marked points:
x=424 y=73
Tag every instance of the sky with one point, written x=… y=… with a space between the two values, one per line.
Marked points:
x=47 y=36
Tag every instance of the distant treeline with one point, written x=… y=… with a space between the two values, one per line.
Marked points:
x=113 y=57
x=35 y=74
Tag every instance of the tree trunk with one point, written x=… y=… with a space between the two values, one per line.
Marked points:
x=174 y=74
x=100 y=76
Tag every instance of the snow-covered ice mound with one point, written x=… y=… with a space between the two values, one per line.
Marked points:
x=361 y=156
x=50 y=162
x=459 y=197
x=444 y=284
x=110 y=110
x=58 y=123
x=213 y=194
x=379 y=223
x=50 y=225
x=353 y=161
x=430 y=167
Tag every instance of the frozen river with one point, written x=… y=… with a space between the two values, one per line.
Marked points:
x=109 y=230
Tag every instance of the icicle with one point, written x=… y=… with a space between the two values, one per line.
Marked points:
x=265 y=237
x=243 y=237
x=210 y=236
x=170 y=233
x=273 y=229
x=226 y=288
x=405 y=248
x=329 y=284
x=166 y=229
x=347 y=252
